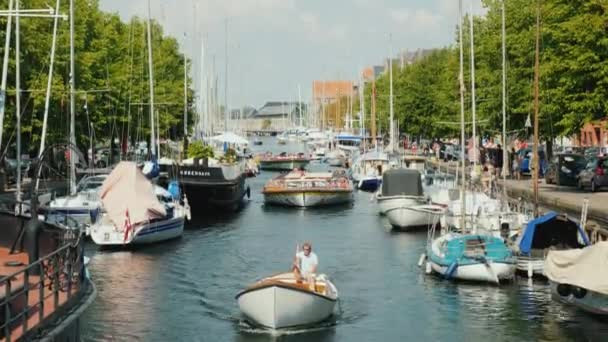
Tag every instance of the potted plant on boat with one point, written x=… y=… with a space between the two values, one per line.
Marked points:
x=197 y=150
x=229 y=157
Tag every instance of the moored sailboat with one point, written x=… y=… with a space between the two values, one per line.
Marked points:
x=133 y=211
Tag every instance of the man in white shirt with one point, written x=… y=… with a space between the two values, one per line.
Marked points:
x=305 y=263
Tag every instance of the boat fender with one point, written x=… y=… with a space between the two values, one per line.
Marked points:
x=248 y=192
x=579 y=292
x=564 y=290
x=451 y=270
x=421 y=260
x=429 y=268
x=174 y=190
x=33 y=228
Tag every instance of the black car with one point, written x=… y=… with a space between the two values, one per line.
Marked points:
x=564 y=168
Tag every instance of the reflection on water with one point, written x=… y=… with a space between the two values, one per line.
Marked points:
x=184 y=290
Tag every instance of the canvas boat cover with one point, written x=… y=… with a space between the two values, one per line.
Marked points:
x=397 y=182
x=552 y=230
x=580 y=267
x=127 y=190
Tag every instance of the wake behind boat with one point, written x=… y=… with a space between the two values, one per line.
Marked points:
x=281 y=301
x=305 y=189
x=133 y=212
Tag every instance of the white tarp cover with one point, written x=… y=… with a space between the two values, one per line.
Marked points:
x=230 y=138
x=127 y=189
x=584 y=268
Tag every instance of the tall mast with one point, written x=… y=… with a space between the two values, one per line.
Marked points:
x=151 y=82
x=185 y=97
x=300 y=105
x=72 y=102
x=462 y=135
x=373 y=114
x=47 y=99
x=504 y=104
x=202 y=124
x=390 y=68
x=475 y=152
x=536 y=80
x=362 y=110
x=226 y=113
x=18 y=103
x=7 y=47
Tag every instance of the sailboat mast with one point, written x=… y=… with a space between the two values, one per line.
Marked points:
x=202 y=124
x=47 y=99
x=390 y=68
x=151 y=82
x=18 y=103
x=185 y=97
x=373 y=114
x=362 y=111
x=536 y=95
x=300 y=105
x=226 y=113
x=7 y=47
x=72 y=103
x=475 y=151
x=462 y=128
x=504 y=105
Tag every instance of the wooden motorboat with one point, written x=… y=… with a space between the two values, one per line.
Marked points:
x=281 y=301
x=305 y=189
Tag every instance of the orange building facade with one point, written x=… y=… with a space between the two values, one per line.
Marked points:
x=593 y=134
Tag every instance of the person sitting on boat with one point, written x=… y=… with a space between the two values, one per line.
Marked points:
x=305 y=263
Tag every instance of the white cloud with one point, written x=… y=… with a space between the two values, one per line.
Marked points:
x=417 y=20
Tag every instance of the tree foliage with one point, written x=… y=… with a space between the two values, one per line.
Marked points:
x=111 y=63
x=573 y=73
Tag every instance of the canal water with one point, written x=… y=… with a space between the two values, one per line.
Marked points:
x=184 y=290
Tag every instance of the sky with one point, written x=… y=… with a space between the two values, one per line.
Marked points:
x=278 y=46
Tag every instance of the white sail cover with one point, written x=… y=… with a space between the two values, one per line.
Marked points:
x=127 y=190
x=580 y=267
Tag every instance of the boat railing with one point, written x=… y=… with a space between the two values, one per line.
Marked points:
x=31 y=295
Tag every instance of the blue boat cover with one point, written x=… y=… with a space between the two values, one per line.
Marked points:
x=558 y=231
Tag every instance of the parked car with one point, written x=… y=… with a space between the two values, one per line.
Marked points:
x=595 y=174
x=564 y=169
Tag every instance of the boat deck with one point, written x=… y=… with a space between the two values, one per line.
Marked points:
x=24 y=295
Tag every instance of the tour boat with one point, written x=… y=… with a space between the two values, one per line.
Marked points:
x=577 y=277
x=403 y=202
x=283 y=161
x=368 y=169
x=470 y=257
x=548 y=232
x=281 y=301
x=336 y=158
x=303 y=189
x=136 y=211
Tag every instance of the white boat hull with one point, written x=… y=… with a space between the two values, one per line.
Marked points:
x=530 y=265
x=105 y=234
x=308 y=199
x=287 y=165
x=406 y=212
x=478 y=272
x=592 y=302
x=278 y=307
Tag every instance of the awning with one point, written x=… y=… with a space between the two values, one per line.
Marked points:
x=551 y=229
